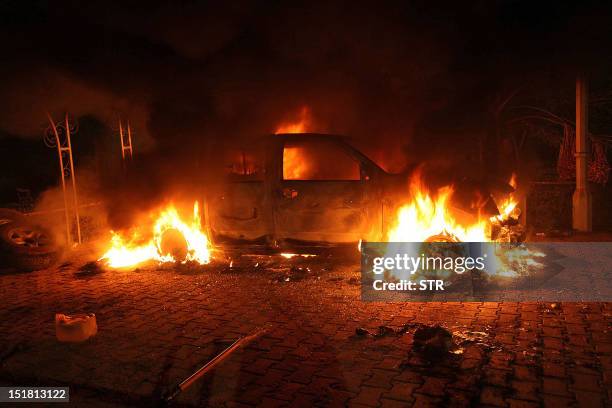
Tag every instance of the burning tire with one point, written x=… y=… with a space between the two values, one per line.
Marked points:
x=23 y=245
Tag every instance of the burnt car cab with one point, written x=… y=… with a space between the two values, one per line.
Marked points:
x=304 y=187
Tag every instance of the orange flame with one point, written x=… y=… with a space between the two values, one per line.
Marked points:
x=426 y=217
x=295 y=164
x=508 y=207
x=127 y=252
x=300 y=125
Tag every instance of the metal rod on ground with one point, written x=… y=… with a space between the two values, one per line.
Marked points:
x=186 y=383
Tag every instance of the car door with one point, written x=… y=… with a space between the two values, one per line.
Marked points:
x=322 y=196
x=237 y=207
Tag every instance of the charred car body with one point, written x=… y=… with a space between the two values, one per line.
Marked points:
x=310 y=187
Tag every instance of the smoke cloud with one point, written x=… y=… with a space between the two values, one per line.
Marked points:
x=399 y=78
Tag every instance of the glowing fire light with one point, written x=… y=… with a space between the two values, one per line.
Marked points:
x=126 y=252
x=425 y=217
x=288 y=255
x=300 y=125
x=508 y=206
x=294 y=163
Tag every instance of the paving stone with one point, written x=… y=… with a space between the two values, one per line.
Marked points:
x=554 y=386
x=369 y=396
x=514 y=403
x=525 y=390
x=493 y=396
x=554 y=401
x=589 y=399
x=402 y=391
x=584 y=382
x=381 y=378
x=433 y=386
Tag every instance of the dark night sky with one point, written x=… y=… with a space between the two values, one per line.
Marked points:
x=187 y=71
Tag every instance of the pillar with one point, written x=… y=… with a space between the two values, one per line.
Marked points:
x=581 y=200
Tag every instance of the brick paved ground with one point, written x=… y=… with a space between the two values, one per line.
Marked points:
x=156 y=325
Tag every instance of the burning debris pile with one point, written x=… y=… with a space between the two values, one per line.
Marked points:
x=173 y=240
x=426 y=218
x=505 y=227
x=429 y=218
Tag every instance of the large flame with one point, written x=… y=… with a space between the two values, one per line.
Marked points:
x=430 y=218
x=128 y=252
x=295 y=164
x=299 y=125
x=425 y=217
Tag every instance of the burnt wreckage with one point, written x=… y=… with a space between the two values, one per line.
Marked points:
x=315 y=188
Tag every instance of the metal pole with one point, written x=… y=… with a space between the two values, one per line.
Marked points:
x=581 y=200
x=61 y=163
x=129 y=129
x=73 y=178
x=121 y=136
x=213 y=363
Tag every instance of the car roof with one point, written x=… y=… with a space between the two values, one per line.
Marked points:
x=298 y=137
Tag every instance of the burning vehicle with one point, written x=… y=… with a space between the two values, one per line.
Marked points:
x=318 y=188
x=313 y=189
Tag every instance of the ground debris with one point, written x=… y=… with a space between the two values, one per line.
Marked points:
x=354 y=281
x=64 y=266
x=89 y=269
x=295 y=274
x=432 y=341
x=464 y=338
x=382 y=331
x=551 y=307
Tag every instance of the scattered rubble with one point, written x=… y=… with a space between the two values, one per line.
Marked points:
x=294 y=274
x=354 y=281
x=552 y=307
x=89 y=269
x=381 y=332
x=432 y=341
x=466 y=337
